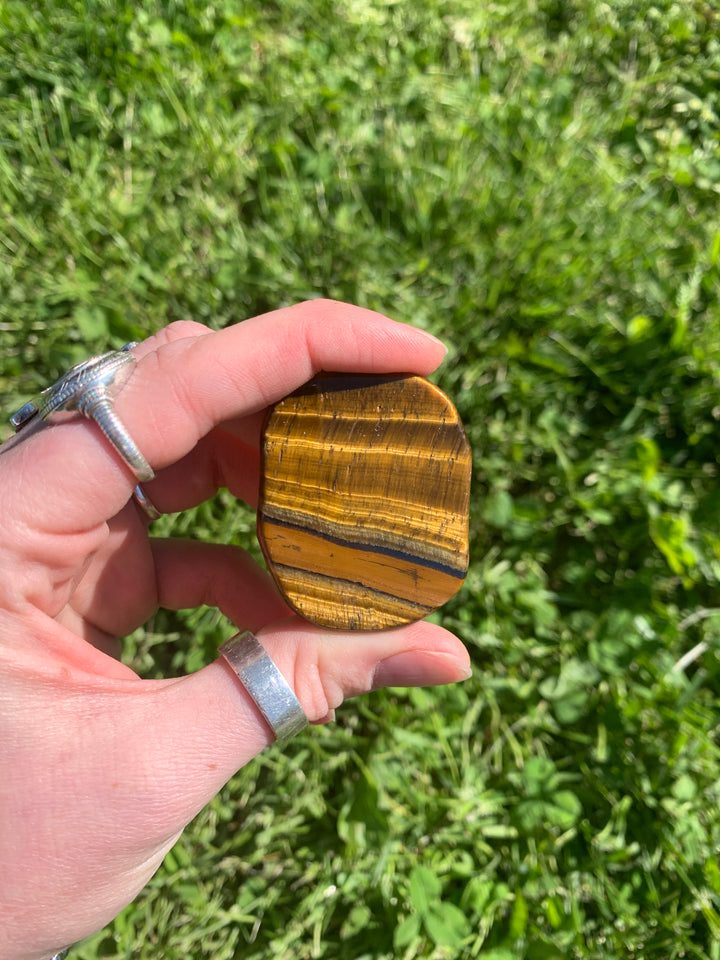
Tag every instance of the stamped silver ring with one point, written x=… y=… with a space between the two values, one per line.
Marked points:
x=88 y=389
x=266 y=685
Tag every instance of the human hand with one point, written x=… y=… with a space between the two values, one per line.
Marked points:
x=102 y=770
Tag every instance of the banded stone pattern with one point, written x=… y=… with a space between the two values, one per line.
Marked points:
x=363 y=515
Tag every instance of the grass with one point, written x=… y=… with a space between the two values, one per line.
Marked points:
x=538 y=183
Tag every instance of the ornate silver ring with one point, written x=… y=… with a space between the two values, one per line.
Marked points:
x=88 y=389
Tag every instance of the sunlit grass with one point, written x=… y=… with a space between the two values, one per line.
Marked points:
x=537 y=183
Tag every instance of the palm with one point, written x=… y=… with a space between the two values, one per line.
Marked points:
x=116 y=591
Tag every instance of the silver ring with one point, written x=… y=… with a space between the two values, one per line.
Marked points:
x=146 y=504
x=61 y=954
x=265 y=684
x=88 y=389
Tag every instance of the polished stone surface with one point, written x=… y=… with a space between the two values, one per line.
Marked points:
x=365 y=486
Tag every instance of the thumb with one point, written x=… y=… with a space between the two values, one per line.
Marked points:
x=206 y=726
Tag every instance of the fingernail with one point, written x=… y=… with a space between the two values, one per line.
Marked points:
x=419 y=668
x=434 y=339
x=328 y=718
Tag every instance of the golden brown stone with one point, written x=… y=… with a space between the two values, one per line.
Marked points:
x=363 y=515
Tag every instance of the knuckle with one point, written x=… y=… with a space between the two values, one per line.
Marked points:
x=178 y=330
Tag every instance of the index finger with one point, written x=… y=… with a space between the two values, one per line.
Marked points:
x=69 y=478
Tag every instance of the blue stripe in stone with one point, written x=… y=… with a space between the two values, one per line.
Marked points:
x=456 y=572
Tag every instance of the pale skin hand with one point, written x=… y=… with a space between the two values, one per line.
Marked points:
x=102 y=770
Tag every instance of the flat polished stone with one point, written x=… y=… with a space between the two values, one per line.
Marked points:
x=364 y=499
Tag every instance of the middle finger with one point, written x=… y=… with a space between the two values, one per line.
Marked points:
x=227 y=457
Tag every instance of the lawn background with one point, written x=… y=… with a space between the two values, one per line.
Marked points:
x=539 y=184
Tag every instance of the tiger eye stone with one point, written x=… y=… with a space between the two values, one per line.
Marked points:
x=365 y=486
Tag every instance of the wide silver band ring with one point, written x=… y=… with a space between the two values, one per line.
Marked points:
x=88 y=389
x=266 y=685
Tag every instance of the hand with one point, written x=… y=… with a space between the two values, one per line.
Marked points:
x=102 y=770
